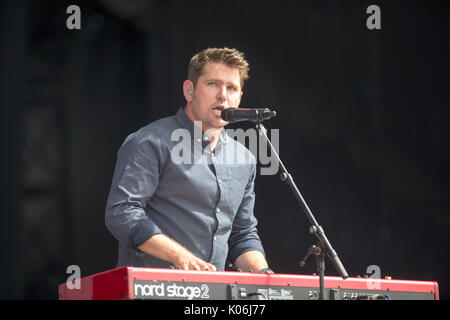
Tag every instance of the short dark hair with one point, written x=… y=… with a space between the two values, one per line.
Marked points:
x=230 y=57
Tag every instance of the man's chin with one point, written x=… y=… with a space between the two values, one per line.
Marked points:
x=215 y=125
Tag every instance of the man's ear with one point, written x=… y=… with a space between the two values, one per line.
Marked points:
x=188 y=90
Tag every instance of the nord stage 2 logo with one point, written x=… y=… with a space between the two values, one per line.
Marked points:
x=144 y=289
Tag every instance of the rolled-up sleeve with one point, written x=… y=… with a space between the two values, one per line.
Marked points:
x=140 y=162
x=244 y=234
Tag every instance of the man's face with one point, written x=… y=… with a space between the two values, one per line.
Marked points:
x=218 y=88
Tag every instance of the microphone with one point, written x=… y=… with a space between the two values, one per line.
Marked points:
x=247 y=114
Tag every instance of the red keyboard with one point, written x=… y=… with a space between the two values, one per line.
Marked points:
x=151 y=283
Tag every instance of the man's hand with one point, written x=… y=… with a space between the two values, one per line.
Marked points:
x=167 y=249
x=187 y=261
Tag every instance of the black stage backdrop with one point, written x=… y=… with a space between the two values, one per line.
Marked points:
x=362 y=117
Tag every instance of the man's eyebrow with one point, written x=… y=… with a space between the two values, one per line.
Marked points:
x=218 y=80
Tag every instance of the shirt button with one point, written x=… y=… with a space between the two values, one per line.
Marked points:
x=218 y=210
x=215 y=238
x=220 y=180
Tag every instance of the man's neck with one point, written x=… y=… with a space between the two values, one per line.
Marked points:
x=212 y=133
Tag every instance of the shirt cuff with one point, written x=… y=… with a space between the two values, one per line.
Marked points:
x=141 y=232
x=243 y=247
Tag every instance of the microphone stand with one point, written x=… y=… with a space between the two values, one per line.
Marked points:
x=323 y=247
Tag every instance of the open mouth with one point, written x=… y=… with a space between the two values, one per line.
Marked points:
x=218 y=109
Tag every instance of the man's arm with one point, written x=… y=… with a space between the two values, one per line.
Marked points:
x=251 y=260
x=136 y=176
x=167 y=249
x=246 y=250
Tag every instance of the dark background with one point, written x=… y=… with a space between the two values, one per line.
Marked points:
x=363 y=118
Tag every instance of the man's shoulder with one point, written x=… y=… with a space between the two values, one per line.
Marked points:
x=155 y=133
x=163 y=126
x=160 y=129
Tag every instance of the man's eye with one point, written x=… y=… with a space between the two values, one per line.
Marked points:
x=211 y=83
x=231 y=88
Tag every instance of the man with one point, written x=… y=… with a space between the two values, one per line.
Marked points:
x=190 y=215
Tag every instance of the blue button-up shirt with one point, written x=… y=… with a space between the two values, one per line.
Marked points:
x=202 y=199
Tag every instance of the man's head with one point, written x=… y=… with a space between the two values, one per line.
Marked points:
x=215 y=80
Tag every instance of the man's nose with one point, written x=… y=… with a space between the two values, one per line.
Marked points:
x=222 y=94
